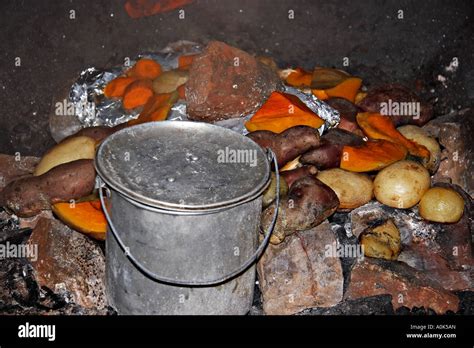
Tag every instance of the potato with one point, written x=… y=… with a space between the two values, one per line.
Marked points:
x=352 y=189
x=270 y=193
x=382 y=241
x=401 y=184
x=441 y=204
x=419 y=136
x=169 y=81
x=289 y=144
x=70 y=149
x=308 y=203
x=28 y=196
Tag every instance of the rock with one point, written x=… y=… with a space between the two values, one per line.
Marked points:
x=297 y=274
x=436 y=267
x=225 y=82
x=407 y=286
x=69 y=263
x=14 y=167
x=454 y=133
x=32 y=221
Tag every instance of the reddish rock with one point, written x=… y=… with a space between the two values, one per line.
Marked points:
x=69 y=262
x=407 y=286
x=297 y=274
x=14 y=167
x=454 y=133
x=436 y=267
x=225 y=82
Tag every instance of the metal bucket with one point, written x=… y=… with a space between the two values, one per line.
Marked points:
x=183 y=218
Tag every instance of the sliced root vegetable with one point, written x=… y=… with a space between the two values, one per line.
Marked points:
x=145 y=69
x=137 y=94
x=372 y=155
x=69 y=150
x=325 y=78
x=184 y=62
x=299 y=78
x=347 y=89
x=85 y=217
x=116 y=88
x=419 y=136
x=169 y=81
x=380 y=127
x=282 y=111
x=320 y=94
x=156 y=109
x=182 y=92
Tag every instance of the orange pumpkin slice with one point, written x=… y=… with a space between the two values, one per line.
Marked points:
x=282 y=111
x=373 y=155
x=85 y=217
x=377 y=126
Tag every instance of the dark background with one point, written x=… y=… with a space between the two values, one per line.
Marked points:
x=382 y=48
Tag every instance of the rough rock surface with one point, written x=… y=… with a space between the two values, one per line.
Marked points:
x=14 y=167
x=225 y=82
x=454 y=133
x=407 y=286
x=297 y=274
x=69 y=262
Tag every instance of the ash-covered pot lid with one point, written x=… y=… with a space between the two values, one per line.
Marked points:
x=182 y=165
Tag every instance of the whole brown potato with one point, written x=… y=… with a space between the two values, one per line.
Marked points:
x=401 y=184
x=441 y=204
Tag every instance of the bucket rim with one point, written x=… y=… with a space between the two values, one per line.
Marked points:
x=167 y=206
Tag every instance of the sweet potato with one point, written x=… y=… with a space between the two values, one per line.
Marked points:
x=309 y=202
x=98 y=133
x=291 y=176
x=28 y=196
x=328 y=154
x=348 y=112
x=289 y=144
x=382 y=95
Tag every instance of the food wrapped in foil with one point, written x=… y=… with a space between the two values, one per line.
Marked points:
x=92 y=108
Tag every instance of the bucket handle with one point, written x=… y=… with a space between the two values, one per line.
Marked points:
x=181 y=282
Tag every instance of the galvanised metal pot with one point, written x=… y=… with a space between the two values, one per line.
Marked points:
x=183 y=207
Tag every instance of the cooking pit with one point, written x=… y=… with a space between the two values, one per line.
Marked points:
x=367 y=110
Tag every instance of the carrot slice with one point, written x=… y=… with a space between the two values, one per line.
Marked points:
x=156 y=109
x=145 y=69
x=184 y=62
x=137 y=94
x=116 y=87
